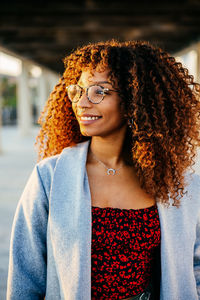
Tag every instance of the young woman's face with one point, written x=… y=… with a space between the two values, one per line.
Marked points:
x=108 y=113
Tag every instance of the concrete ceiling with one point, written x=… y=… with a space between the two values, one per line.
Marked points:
x=46 y=31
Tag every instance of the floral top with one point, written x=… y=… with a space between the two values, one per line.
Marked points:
x=123 y=246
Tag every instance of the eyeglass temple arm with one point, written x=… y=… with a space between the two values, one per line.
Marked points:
x=114 y=90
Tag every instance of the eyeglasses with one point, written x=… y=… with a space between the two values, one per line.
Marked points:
x=95 y=93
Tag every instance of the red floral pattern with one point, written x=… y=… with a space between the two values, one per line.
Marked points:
x=123 y=247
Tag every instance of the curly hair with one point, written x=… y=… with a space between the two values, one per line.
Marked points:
x=161 y=102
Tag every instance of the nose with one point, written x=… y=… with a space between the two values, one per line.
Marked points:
x=83 y=101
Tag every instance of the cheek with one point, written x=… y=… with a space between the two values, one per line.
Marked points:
x=74 y=108
x=115 y=112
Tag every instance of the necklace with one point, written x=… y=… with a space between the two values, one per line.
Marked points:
x=110 y=171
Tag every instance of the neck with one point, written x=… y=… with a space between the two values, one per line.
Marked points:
x=109 y=150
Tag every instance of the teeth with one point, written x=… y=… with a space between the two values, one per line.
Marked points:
x=89 y=118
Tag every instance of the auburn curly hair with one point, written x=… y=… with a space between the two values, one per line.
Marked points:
x=162 y=105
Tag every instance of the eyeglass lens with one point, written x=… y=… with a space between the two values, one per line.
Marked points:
x=95 y=93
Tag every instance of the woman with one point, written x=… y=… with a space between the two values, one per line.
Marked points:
x=118 y=134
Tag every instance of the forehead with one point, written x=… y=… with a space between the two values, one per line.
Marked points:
x=90 y=76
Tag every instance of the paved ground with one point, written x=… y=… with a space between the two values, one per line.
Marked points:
x=16 y=163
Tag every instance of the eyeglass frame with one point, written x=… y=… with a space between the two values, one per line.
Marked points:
x=87 y=88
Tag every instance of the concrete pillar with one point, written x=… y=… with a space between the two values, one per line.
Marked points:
x=1 y=102
x=24 y=102
x=53 y=79
x=198 y=62
x=43 y=93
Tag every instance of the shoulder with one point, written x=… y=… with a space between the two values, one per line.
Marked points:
x=192 y=199
x=64 y=165
x=67 y=157
x=193 y=180
x=190 y=202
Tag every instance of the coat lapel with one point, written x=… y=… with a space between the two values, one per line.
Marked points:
x=70 y=222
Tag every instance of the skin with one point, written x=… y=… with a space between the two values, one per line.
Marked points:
x=111 y=123
x=107 y=139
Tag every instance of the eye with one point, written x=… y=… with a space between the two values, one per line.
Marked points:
x=99 y=91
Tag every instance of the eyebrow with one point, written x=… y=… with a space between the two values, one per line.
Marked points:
x=96 y=82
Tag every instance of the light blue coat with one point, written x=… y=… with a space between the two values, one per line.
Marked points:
x=50 y=253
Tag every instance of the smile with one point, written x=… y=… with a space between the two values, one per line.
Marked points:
x=87 y=119
x=90 y=118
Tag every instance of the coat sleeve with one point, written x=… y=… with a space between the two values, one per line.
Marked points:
x=197 y=257
x=28 y=254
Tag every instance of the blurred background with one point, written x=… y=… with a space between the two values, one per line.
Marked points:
x=35 y=36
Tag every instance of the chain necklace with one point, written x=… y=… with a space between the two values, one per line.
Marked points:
x=110 y=171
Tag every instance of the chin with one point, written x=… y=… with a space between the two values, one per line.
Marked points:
x=97 y=132
x=87 y=133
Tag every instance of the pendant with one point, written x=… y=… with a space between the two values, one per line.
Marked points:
x=111 y=171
